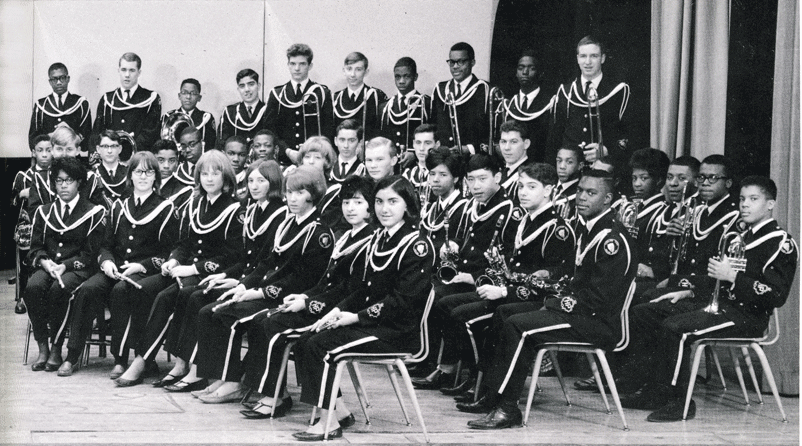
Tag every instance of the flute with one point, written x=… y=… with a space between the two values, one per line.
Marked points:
x=180 y=283
x=329 y=323
x=129 y=280
x=58 y=277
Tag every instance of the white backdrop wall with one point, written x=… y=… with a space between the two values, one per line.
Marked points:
x=212 y=40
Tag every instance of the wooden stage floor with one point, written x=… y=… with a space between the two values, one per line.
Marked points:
x=40 y=407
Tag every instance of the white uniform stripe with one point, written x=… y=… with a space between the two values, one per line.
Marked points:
x=694 y=333
x=521 y=345
x=361 y=341
x=125 y=336
x=158 y=341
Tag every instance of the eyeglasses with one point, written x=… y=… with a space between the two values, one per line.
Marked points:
x=457 y=63
x=110 y=146
x=188 y=93
x=67 y=181
x=191 y=145
x=144 y=173
x=58 y=79
x=712 y=178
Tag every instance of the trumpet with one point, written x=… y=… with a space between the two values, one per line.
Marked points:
x=731 y=245
x=679 y=246
x=496 y=97
x=424 y=192
x=628 y=215
x=311 y=99
x=451 y=103
x=448 y=264
x=497 y=273
x=594 y=121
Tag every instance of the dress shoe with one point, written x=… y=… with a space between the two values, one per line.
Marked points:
x=167 y=380
x=185 y=387
x=434 y=380
x=305 y=436
x=19 y=308
x=117 y=371
x=345 y=423
x=466 y=397
x=67 y=368
x=459 y=389
x=50 y=367
x=420 y=369
x=649 y=397
x=122 y=382
x=588 y=385
x=261 y=411
x=38 y=366
x=211 y=398
x=672 y=411
x=482 y=405
x=500 y=418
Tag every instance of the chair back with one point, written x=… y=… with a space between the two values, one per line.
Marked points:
x=772 y=336
x=421 y=354
x=624 y=341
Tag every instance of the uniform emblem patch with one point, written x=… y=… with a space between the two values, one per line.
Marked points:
x=324 y=240
x=420 y=248
x=761 y=288
x=567 y=304
x=611 y=247
x=272 y=291
x=787 y=247
x=685 y=283
x=561 y=233
x=316 y=307
x=523 y=292
x=157 y=261
x=241 y=217
x=517 y=214
x=78 y=265
x=375 y=310
x=211 y=266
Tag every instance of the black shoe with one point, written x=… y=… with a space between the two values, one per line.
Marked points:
x=466 y=397
x=303 y=436
x=672 y=412
x=649 y=397
x=460 y=388
x=421 y=370
x=435 y=380
x=19 y=308
x=38 y=366
x=261 y=411
x=500 y=418
x=167 y=380
x=482 y=405
x=185 y=387
x=588 y=385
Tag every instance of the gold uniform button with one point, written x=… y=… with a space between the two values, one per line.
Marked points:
x=60 y=244
x=128 y=250
x=195 y=259
x=130 y=237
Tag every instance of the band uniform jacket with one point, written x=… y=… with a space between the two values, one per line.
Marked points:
x=203 y=121
x=114 y=187
x=401 y=115
x=176 y=191
x=258 y=232
x=24 y=180
x=417 y=175
x=509 y=181
x=369 y=99
x=301 y=251
x=475 y=231
x=472 y=109
x=73 y=242
x=211 y=234
x=651 y=245
x=185 y=173
x=74 y=112
x=237 y=121
x=572 y=124
x=43 y=190
x=141 y=234
x=434 y=215
x=293 y=121
x=343 y=275
x=140 y=116
x=536 y=116
x=565 y=198
x=338 y=176
x=396 y=285
x=543 y=241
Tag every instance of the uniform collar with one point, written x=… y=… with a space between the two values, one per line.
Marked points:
x=391 y=231
x=594 y=82
x=533 y=215
x=760 y=225
x=131 y=90
x=517 y=164
x=71 y=204
x=712 y=208
x=301 y=218
x=591 y=222
x=465 y=83
x=450 y=199
x=303 y=84
x=530 y=97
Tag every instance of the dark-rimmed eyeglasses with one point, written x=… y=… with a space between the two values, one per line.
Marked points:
x=713 y=179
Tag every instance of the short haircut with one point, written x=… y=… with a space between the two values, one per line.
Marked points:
x=381 y=141
x=406 y=191
x=57 y=66
x=720 y=160
x=321 y=145
x=608 y=160
x=215 y=160
x=462 y=46
x=546 y=174
x=38 y=139
x=149 y=161
x=64 y=135
x=514 y=126
x=606 y=177
x=72 y=166
x=689 y=162
x=529 y=52
x=591 y=40
x=578 y=152
x=351 y=124
x=238 y=139
x=407 y=62
x=309 y=179
x=300 y=49
x=247 y=72
x=483 y=160
x=653 y=161
x=272 y=173
x=191 y=81
x=190 y=130
x=357 y=184
x=131 y=57
x=425 y=128
x=164 y=144
x=452 y=161
x=110 y=134
x=266 y=132
x=355 y=57
x=765 y=184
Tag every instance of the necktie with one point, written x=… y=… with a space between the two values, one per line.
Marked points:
x=65 y=212
x=60 y=103
x=138 y=203
x=343 y=167
x=127 y=95
x=457 y=90
x=353 y=97
x=297 y=90
x=111 y=174
x=524 y=104
x=401 y=103
x=383 y=239
x=587 y=87
x=250 y=111
x=558 y=190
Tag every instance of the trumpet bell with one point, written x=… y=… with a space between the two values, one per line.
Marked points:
x=128 y=145
x=446 y=273
x=485 y=280
x=174 y=124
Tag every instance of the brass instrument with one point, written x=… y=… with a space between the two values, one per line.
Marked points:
x=448 y=264
x=731 y=245
x=312 y=99
x=410 y=110
x=424 y=193
x=628 y=215
x=594 y=121
x=679 y=246
x=173 y=124
x=532 y=281
x=497 y=272
x=496 y=98
x=451 y=103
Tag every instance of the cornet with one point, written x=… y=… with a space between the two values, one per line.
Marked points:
x=628 y=215
x=496 y=109
x=311 y=99
x=594 y=121
x=451 y=103
x=448 y=264
x=679 y=246
x=731 y=245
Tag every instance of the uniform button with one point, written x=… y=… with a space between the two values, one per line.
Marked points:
x=249 y=251
x=200 y=242
x=585 y=129
x=58 y=254
x=397 y=133
x=125 y=262
x=122 y=120
x=518 y=264
x=247 y=265
x=693 y=261
x=471 y=248
x=297 y=135
x=200 y=251
x=328 y=275
x=195 y=259
x=464 y=261
x=651 y=249
x=265 y=277
x=59 y=119
x=297 y=113
x=297 y=124
x=133 y=226
x=60 y=244
x=276 y=269
x=242 y=276
x=128 y=250
x=369 y=283
x=586 y=115
x=130 y=237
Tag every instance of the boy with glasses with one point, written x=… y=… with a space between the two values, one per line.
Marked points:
x=60 y=108
x=189 y=96
x=111 y=173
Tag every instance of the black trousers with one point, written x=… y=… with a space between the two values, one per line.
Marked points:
x=492 y=337
x=182 y=336
x=220 y=337
x=453 y=315
x=130 y=309
x=267 y=339
x=49 y=304
x=436 y=322
x=167 y=295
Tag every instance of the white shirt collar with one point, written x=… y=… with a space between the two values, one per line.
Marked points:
x=450 y=198
x=63 y=96
x=301 y=218
x=348 y=163
x=593 y=221
x=464 y=84
x=594 y=82
x=302 y=84
x=71 y=204
x=131 y=91
x=113 y=169
x=711 y=208
x=356 y=92
x=263 y=205
x=391 y=231
x=212 y=200
x=142 y=198
x=567 y=184
x=757 y=227
x=510 y=168
x=188 y=113
x=529 y=96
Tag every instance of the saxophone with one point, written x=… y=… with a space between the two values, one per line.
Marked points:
x=497 y=273
x=448 y=264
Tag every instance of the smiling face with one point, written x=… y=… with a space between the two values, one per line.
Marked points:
x=531 y=192
x=390 y=207
x=129 y=74
x=356 y=210
x=258 y=185
x=299 y=68
x=248 y=89
x=483 y=184
x=43 y=154
x=590 y=60
x=460 y=64
x=378 y=162
x=355 y=74
x=755 y=205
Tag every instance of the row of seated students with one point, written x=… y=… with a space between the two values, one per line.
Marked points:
x=531 y=227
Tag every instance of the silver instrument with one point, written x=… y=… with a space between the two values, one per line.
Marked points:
x=451 y=103
x=594 y=121
x=628 y=215
x=679 y=246
x=173 y=124
x=448 y=264
x=731 y=245
x=129 y=281
x=311 y=99
x=496 y=98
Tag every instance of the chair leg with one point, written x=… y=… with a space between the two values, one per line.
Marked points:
x=354 y=369
x=718 y=368
x=85 y=355
x=405 y=376
x=595 y=369
x=696 y=352
x=751 y=369
x=533 y=384
x=479 y=376
x=458 y=373
x=769 y=377
x=740 y=374
x=611 y=383
x=356 y=379
x=285 y=359
x=394 y=381
x=559 y=373
x=335 y=387
x=28 y=330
